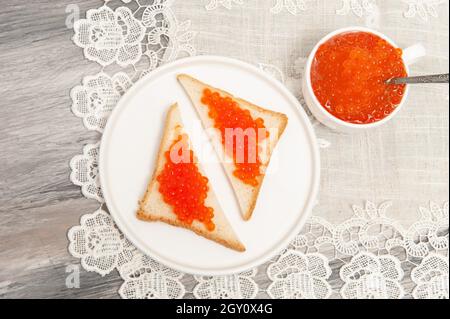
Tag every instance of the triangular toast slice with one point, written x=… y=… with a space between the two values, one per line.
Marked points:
x=276 y=123
x=153 y=206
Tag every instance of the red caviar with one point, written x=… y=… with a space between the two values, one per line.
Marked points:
x=227 y=114
x=348 y=77
x=183 y=186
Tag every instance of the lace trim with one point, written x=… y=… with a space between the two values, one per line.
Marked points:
x=367 y=9
x=368 y=256
x=84 y=172
x=94 y=100
x=240 y=286
x=424 y=9
x=294 y=7
x=228 y=4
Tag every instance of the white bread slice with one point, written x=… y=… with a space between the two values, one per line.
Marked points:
x=153 y=208
x=247 y=195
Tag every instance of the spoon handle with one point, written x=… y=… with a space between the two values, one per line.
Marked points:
x=437 y=78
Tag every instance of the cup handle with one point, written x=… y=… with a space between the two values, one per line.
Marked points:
x=414 y=53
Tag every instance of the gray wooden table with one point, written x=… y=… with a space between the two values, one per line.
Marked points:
x=38 y=136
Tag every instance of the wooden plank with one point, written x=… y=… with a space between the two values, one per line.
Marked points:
x=38 y=137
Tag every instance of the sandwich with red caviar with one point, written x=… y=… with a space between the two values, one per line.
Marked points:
x=180 y=194
x=245 y=133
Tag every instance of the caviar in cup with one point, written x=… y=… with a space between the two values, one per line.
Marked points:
x=345 y=81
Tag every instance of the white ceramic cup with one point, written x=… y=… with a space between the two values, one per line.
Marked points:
x=410 y=55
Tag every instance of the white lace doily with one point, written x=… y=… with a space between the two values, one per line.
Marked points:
x=367 y=256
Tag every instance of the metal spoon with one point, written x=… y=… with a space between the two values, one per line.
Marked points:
x=437 y=78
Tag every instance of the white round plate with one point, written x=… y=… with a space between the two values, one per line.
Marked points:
x=129 y=149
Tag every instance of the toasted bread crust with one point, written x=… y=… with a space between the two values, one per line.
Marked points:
x=283 y=119
x=235 y=245
x=143 y=202
x=248 y=215
x=148 y=216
